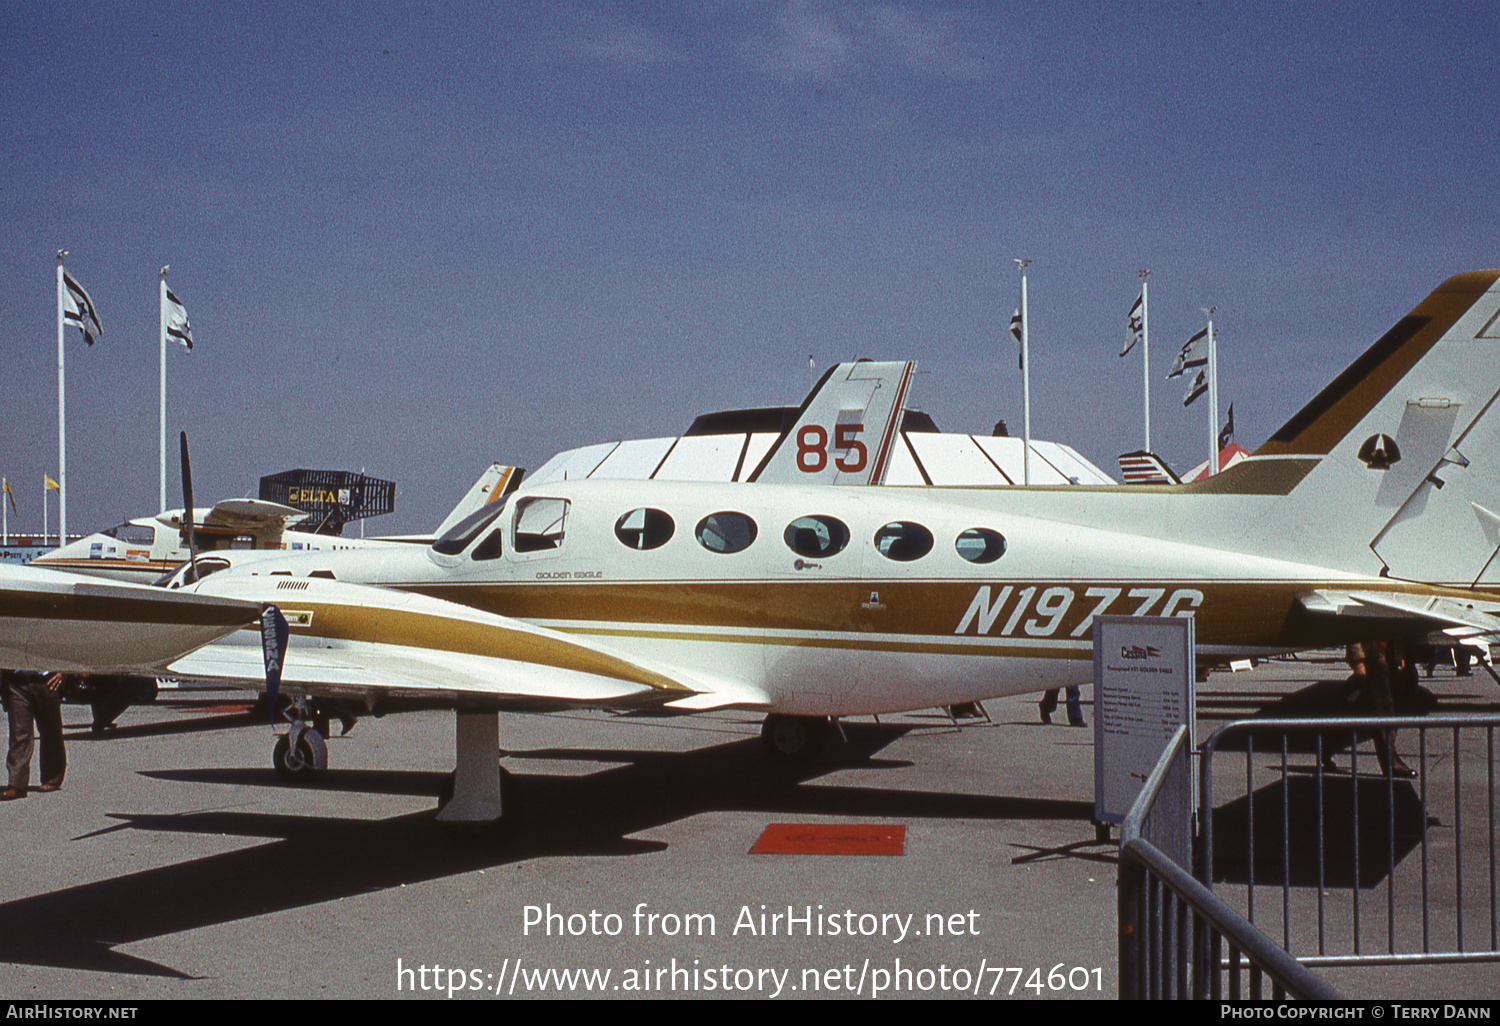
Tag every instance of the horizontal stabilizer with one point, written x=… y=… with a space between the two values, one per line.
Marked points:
x=1373 y=610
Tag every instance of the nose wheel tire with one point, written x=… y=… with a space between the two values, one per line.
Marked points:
x=303 y=760
x=793 y=739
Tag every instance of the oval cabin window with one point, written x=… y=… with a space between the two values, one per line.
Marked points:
x=903 y=541
x=980 y=545
x=726 y=532
x=816 y=537
x=644 y=529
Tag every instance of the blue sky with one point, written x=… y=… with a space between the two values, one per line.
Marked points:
x=416 y=239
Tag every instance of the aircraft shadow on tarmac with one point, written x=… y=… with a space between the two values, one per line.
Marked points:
x=317 y=859
x=197 y=723
x=1362 y=811
x=1379 y=821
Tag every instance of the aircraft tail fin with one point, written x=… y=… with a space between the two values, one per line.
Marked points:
x=845 y=429
x=1400 y=455
x=494 y=484
x=1142 y=467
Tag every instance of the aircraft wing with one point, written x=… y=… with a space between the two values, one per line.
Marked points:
x=51 y=620
x=1456 y=616
x=241 y=516
x=373 y=644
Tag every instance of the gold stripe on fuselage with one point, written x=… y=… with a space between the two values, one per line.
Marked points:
x=1231 y=615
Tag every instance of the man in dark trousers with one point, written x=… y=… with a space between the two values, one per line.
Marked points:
x=33 y=701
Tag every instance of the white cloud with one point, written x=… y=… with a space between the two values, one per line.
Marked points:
x=806 y=41
x=629 y=45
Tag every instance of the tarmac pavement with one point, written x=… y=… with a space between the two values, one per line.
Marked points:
x=174 y=863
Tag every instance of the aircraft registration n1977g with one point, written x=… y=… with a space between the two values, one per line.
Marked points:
x=805 y=593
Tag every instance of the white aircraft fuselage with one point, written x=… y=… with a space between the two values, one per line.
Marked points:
x=856 y=631
x=810 y=591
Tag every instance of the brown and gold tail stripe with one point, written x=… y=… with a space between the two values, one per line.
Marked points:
x=1333 y=413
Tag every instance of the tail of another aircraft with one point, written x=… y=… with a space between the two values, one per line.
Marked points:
x=1142 y=467
x=845 y=429
x=494 y=484
x=1400 y=455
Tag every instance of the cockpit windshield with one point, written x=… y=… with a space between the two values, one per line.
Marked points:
x=184 y=574
x=466 y=530
x=131 y=534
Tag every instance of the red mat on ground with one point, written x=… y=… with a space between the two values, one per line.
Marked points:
x=831 y=839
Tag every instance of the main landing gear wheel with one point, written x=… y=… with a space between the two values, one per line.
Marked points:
x=793 y=738
x=302 y=757
x=490 y=831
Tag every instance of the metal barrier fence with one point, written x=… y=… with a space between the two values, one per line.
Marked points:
x=1173 y=929
x=1338 y=861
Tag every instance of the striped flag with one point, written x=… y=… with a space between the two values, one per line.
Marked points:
x=1135 y=322
x=1197 y=388
x=1193 y=355
x=174 y=315
x=78 y=309
x=1015 y=333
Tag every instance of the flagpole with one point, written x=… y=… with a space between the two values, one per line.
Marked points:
x=44 y=511
x=62 y=421
x=1146 y=356
x=1213 y=397
x=161 y=309
x=1025 y=378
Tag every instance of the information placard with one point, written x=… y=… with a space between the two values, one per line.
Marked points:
x=1143 y=691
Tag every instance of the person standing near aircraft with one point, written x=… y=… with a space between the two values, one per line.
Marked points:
x=1373 y=663
x=33 y=700
x=1048 y=705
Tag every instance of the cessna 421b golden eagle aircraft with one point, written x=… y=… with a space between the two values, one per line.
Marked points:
x=1374 y=512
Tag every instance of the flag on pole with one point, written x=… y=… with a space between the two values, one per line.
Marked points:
x=5 y=482
x=1194 y=354
x=78 y=309
x=1135 y=322
x=52 y=486
x=1197 y=388
x=176 y=318
x=1227 y=434
x=1015 y=333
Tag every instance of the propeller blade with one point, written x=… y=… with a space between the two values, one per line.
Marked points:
x=187 y=502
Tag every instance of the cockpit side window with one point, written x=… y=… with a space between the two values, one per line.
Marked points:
x=184 y=574
x=466 y=530
x=540 y=524
x=491 y=547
